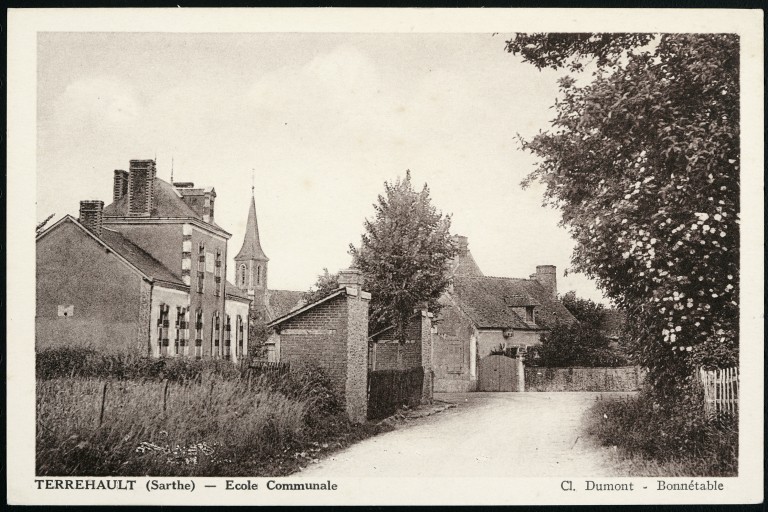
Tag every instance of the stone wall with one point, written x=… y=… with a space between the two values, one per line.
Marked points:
x=627 y=378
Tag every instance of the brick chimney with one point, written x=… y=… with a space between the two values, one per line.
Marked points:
x=209 y=199
x=121 y=184
x=351 y=278
x=91 y=216
x=547 y=276
x=141 y=187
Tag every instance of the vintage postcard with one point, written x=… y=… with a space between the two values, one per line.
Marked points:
x=383 y=256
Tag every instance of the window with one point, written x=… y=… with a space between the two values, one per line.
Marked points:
x=529 y=316
x=227 y=338
x=162 y=329
x=239 y=335
x=182 y=332
x=200 y=267
x=242 y=275
x=217 y=274
x=258 y=274
x=199 y=334
x=216 y=332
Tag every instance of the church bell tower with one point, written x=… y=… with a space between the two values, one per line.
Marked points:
x=251 y=263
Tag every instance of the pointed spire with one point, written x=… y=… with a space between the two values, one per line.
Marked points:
x=251 y=249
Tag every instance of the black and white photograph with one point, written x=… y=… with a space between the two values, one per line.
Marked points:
x=493 y=259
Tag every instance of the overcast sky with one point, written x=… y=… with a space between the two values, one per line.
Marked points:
x=321 y=120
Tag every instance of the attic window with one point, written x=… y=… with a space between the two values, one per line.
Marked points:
x=530 y=315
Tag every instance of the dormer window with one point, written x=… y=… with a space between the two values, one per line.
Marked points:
x=530 y=315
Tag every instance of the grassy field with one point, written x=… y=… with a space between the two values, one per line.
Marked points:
x=650 y=440
x=219 y=422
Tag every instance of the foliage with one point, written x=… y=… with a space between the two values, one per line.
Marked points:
x=586 y=311
x=405 y=255
x=258 y=333
x=326 y=284
x=41 y=227
x=678 y=431
x=208 y=418
x=503 y=350
x=643 y=161
x=574 y=345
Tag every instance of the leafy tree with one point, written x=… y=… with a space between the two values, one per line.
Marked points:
x=326 y=284
x=574 y=345
x=586 y=311
x=643 y=161
x=404 y=255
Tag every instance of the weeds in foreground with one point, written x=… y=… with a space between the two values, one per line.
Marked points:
x=130 y=416
x=672 y=439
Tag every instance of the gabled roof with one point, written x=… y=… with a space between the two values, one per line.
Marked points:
x=464 y=265
x=488 y=301
x=251 y=249
x=280 y=302
x=139 y=258
x=304 y=307
x=128 y=252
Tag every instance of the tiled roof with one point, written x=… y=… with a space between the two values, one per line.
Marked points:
x=281 y=302
x=464 y=265
x=139 y=258
x=489 y=301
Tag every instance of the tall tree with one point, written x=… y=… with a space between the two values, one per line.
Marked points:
x=326 y=284
x=642 y=159
x=405 y=254
x=587 y=312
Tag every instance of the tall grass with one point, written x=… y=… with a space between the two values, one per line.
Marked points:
x=116 y=415
x=654 y=438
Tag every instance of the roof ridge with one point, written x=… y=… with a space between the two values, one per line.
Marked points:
x=497 y=277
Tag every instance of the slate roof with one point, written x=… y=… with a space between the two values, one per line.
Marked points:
x=137 y=257
x=251 y=249
x=235 y=291
x=282 y=302
x=488 y=301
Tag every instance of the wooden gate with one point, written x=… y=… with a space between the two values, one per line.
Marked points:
x=499 y=373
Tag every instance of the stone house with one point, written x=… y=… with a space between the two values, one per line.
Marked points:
x=481 y=313
x=145 y=274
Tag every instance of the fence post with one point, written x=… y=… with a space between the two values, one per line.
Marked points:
x=165 y=395
x=103 y=401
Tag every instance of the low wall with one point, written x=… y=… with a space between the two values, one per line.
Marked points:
x=625 y=378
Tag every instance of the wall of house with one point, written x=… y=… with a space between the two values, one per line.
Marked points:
x=489 y=340
x=105 y=294
x=233 y=308
x=393 y=355
x=453 y=347
x=173 y=299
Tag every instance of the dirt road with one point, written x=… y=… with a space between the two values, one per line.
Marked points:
x=488 y=434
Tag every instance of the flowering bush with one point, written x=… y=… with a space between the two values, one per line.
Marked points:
x=643 y=161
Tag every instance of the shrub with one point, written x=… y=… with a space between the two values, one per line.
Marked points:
x=575 y=345
x=678 y=431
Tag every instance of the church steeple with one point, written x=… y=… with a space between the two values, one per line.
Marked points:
x=251 y=262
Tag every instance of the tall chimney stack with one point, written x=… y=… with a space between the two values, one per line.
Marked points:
x=462 y=243
x=91 y=216
x=546 y=275
x=121 y=184
x=141 y=187
x=351 y=278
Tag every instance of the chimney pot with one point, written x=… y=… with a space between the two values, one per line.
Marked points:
x=91 y=216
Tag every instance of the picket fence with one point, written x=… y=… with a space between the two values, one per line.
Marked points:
x=721 y=390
